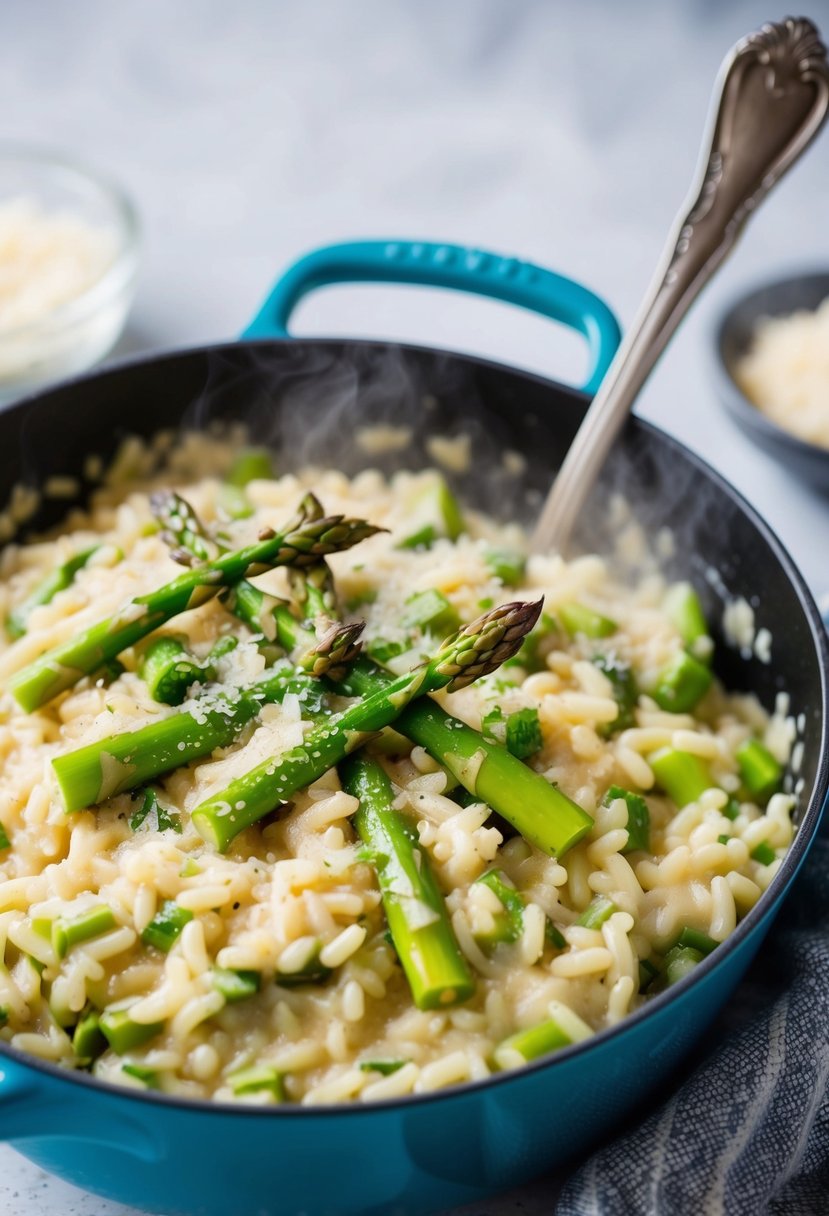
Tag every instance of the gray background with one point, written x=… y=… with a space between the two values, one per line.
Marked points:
x=561 y=133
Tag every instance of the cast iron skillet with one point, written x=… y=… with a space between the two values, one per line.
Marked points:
x=188 y=1158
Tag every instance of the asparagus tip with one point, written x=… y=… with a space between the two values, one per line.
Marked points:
x=482 y=646
x=334 y=651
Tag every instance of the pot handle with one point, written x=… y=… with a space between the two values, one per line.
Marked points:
x=454 y=266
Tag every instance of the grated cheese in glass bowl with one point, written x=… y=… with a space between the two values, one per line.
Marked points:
x=68 y=257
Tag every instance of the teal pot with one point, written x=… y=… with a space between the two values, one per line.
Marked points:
x=306 y=397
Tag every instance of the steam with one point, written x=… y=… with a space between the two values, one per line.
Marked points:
x=311 y=403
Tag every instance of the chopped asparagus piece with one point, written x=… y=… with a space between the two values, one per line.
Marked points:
x=422 y=934
x=437 y=513
x=122 y=1033
x=682 y=685
x=759 y=769
x=4 y=1016
x=260 y=1079
x=731 y=809
x=639 y=819
x=166 y=926
x=382 y=651
x=233 y=502
x=553 y=935
x=683 y=776
x=507 y=565
x=87 y=1041
x=599 y=910
x=222 y=647
x=57 y=580
x=251 y=464
x=68 y=931
x=313 y=972
x=648 y=972
x=430 y=610
x=168 y=670
x=509 y=924
x=625 y=692
x=563 y=1028
x=577 y=619
x=683 y=608
x=5 y=843
x=236 y=985
x=149 y=1076
x=695 y=939
x=679 y=961
x=384 y=1067
x=764 y=853
x=42 y=925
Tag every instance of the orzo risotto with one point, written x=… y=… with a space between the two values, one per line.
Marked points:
x=252 y=850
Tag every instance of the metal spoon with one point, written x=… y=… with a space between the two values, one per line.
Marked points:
x=772 y=100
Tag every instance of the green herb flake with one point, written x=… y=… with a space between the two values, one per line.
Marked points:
x=384 y=1067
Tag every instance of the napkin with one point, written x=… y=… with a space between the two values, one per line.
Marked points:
x=747 y=1130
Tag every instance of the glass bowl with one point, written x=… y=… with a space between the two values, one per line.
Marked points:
x=70 y=336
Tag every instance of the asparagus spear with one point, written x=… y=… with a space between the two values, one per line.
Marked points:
x=418 y=921
x=57 y=580
x=474 y=651
x=110 y=766
x=301 y=543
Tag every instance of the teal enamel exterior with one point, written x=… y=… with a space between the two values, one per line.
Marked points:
x=408 y=1158
x=426 y=264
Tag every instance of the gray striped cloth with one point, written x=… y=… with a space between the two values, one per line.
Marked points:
x=747 y=1131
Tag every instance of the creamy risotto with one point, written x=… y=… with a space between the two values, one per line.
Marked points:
x=238 y=861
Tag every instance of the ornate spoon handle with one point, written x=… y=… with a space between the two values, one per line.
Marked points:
x=773 y=99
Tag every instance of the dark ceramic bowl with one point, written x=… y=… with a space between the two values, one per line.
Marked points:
x=733 y=332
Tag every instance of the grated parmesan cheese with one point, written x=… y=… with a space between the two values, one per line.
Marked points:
x=47 y=259
x=786 y=372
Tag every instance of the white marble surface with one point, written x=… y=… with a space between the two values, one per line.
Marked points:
x=249 y=132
